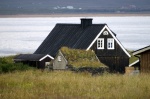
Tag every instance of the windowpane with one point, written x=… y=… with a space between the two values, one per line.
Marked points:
x=59 y=58
x=100 y=43
x=110 y=43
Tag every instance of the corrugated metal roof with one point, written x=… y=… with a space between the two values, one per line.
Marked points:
x=139 y=51
x=70 y=35
x=29 y=57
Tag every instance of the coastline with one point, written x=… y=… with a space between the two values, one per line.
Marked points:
x=70 y=15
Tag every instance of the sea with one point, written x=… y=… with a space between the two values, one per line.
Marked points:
x=24 y=35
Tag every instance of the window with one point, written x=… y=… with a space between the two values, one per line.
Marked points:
x=59 y=58
x=47 y=63
x=105 y=33
x=100 y=43
x=110 y=43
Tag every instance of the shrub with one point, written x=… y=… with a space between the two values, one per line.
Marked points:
x=7 y=65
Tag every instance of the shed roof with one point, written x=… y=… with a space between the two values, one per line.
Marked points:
x=139 y=51
x=31 y=57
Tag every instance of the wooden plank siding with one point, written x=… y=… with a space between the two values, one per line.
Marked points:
x=116 y=64
x=145 y=62
x=42 y=63
x=115 y=58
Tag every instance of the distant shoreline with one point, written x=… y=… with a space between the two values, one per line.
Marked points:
x=70 y=15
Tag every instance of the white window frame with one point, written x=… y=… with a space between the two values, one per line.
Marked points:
x=59 y=58
x=47 y=63
x=100 y=43
x=110 y=43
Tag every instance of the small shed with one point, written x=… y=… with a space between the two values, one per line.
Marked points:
x=144 y=58
x=34 y=60
x=77 y=58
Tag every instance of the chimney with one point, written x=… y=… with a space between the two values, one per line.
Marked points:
x=86 y=22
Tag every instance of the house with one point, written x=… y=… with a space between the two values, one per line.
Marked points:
x=144 y=58
x=97 y=37
x=77 y=58
x=35 y=60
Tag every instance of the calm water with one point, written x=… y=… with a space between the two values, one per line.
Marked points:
x=24 y=35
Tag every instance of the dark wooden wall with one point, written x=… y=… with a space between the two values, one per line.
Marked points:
x=116 y=64
x=41 y=64
x=145 y=62
x=115 y=58
x=37 y=64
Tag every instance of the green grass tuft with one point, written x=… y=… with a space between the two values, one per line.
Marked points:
x=81 y=58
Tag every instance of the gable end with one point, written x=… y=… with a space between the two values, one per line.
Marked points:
x=107 y=28
x=45 y=57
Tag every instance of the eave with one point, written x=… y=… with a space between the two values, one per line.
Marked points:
x=137 y=52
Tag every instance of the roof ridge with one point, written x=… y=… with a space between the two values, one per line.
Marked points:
x=77 y=24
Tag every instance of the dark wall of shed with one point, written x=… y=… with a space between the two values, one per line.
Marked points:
x=41 y=64
x=145 y=62
x=37 y=64
x=115 y=58
x=30 y=63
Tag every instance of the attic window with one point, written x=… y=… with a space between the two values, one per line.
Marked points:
x=110 y=43
x=105 y=33
x=100 y=43
x=59 y=58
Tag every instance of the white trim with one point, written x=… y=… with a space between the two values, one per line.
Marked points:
x=134 y=63
x=106 y=27
x=100 y=43
x=96 y=38
x=141 y=50
x=45 y=57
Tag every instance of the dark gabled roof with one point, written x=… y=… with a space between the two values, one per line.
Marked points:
x=139 y=51
x=31 y=57
x=70 y=35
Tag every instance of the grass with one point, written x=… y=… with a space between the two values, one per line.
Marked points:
x=34 y=84
x=81 y=58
